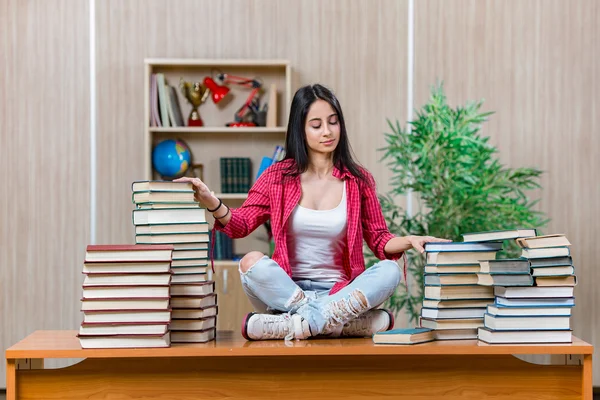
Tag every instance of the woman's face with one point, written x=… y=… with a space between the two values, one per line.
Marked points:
x=322 y=128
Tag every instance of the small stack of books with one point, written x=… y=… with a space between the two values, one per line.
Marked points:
x=166 y=212
x=540 y=313
x=125 y=299
x=454 y=304
x=236 y=174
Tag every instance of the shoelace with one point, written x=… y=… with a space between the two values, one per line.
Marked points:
x=276 y=326
x=359 y=326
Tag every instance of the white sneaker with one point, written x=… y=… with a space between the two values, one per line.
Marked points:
x=369 y=323
x=274 y=326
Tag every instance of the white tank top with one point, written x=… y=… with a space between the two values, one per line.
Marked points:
x=316 y=241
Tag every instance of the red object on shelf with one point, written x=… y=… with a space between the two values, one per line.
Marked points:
x=218 y=92
x=195 y=122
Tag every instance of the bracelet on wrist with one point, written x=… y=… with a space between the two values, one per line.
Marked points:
x=216 y=208
x=224 y=215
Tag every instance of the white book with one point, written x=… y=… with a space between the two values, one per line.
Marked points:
x=193 y=289
x=169 y=216
x=126 y=279
x=122 y=329
x=125 y=341
x=528 y=311
x=498 y=235
x=118 y=316
x=189 y=278
x=526 y=323
x=192 y=324
x=124 y=304
x=194 y=313
x=193 y=336
x=193 y=301
x=499 y=337
x=126 y=267
x=546 y=252
x=452 y=313
x=171 y=229
x=533 y=291
x=124 y=292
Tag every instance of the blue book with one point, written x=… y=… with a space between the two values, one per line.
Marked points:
x=264 y=164
x=404 y=336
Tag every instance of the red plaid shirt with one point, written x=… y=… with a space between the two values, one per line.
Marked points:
x=275 y=195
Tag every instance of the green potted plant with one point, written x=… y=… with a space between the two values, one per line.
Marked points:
x=459 y=184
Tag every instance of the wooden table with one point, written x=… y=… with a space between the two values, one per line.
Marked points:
x=232 y=368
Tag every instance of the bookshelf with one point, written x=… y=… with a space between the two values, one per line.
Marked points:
x=215 y=140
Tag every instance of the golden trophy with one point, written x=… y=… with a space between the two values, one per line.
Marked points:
x=196 y=93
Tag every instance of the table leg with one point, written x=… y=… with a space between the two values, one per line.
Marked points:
x=11 y=380
x=587 y=387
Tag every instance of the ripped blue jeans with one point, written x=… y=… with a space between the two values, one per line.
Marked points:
x=271 y=290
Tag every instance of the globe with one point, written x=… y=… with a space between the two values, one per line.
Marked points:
x=171 y=158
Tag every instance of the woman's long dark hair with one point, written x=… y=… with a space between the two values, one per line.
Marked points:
x=295 y=143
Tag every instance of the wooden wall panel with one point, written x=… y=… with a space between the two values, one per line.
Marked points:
x=44 y=153
x=357 y=48
x=536 y=63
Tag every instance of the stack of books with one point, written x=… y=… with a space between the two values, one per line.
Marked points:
x=236 y=174
x=125 y=299
x=167 y=213
x=540 y=311
x=454 y=304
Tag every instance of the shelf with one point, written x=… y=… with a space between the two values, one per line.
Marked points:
x=218 y=129
x=232 y=196
x=193 y=62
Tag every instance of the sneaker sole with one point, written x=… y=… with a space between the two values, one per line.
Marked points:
x=245 y=326
x=391 y=326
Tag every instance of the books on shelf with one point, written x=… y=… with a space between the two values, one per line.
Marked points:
x=236 y=174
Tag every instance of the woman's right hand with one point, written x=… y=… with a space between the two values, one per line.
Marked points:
x=202 y=193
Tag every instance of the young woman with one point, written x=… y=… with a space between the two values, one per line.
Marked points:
x=321 y=205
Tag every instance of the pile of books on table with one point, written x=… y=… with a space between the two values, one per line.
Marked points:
x=167 y=213
x=534 y=295
x=125 y=299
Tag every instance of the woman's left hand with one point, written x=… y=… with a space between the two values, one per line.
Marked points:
x=418 y=242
